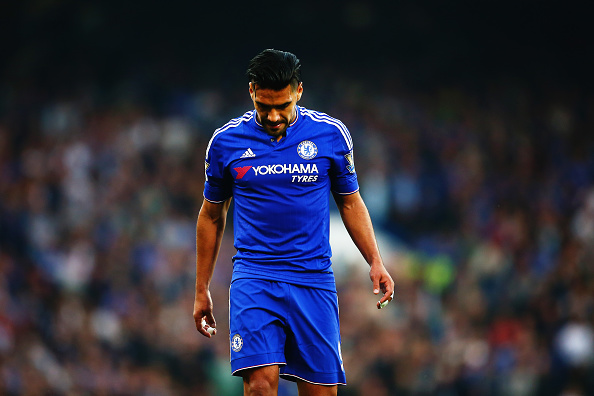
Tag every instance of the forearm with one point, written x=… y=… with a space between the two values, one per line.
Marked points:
x=358 y=224
x=209 y=234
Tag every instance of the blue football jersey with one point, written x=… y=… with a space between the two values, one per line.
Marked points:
x=281 y=193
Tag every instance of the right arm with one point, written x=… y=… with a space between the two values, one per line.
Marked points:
x=209 y=234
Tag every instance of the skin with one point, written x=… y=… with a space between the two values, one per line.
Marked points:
x=275 y=111
x=209 y=234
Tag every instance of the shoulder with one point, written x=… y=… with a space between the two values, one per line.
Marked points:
x=228 y=132
x=234 y=125
x=329 y=124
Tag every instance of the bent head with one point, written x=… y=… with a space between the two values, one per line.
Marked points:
x=275 y=89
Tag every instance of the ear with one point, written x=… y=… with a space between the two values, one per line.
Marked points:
x=299 y=91
x=252 y=91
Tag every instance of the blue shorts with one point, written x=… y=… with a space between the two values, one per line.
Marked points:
x=295 y=327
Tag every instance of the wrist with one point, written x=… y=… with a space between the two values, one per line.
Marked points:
x=376 y=263
x=202 y=289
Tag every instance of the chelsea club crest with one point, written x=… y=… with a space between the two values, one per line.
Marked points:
x=307 y=149
x=236 y=343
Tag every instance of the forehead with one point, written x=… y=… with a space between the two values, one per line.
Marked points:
x=271 y=96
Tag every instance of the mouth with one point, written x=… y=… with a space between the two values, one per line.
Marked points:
x=275 y=126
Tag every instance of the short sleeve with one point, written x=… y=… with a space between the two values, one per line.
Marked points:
x=344 y=177
x=218 y=184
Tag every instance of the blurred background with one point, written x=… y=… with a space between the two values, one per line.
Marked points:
x=473 y=126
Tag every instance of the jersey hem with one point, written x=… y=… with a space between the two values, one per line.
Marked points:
x=345 y=193
x=213 y=201
x=323 y=280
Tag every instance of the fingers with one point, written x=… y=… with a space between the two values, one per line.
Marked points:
x=376 y=285
x=388 y=296
x=376 y=289
x=203 y=317
x=209 y=329
x=382 y=281
x=205 y=322
x=388 y=289
x=211 y=324
x=206 y=325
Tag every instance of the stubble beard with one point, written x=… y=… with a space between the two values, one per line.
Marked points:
x=276 y=132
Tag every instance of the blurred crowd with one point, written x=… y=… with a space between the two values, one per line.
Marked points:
x=488 y=197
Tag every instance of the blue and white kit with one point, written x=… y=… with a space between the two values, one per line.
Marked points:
x=282 y=288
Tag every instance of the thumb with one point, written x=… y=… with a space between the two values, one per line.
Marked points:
x=210 y=319
x=376 y=286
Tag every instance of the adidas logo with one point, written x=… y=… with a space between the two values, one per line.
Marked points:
x=248 y=154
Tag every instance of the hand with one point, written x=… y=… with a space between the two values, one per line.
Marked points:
x=203 y=316
x=381 y=280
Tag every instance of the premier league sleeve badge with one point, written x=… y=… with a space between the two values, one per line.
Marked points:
x=350 y=162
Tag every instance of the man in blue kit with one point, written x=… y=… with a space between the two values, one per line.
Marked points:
x=280 y=162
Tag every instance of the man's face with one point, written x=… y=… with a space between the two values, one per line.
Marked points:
x=275 y=109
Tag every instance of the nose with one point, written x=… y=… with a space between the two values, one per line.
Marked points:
x=273 y=116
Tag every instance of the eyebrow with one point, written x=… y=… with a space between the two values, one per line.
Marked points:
x=280 y=106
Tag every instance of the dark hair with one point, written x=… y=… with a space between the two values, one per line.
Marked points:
x=273 y=69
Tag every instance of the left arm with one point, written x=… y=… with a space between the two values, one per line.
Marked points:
x=358 y=224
